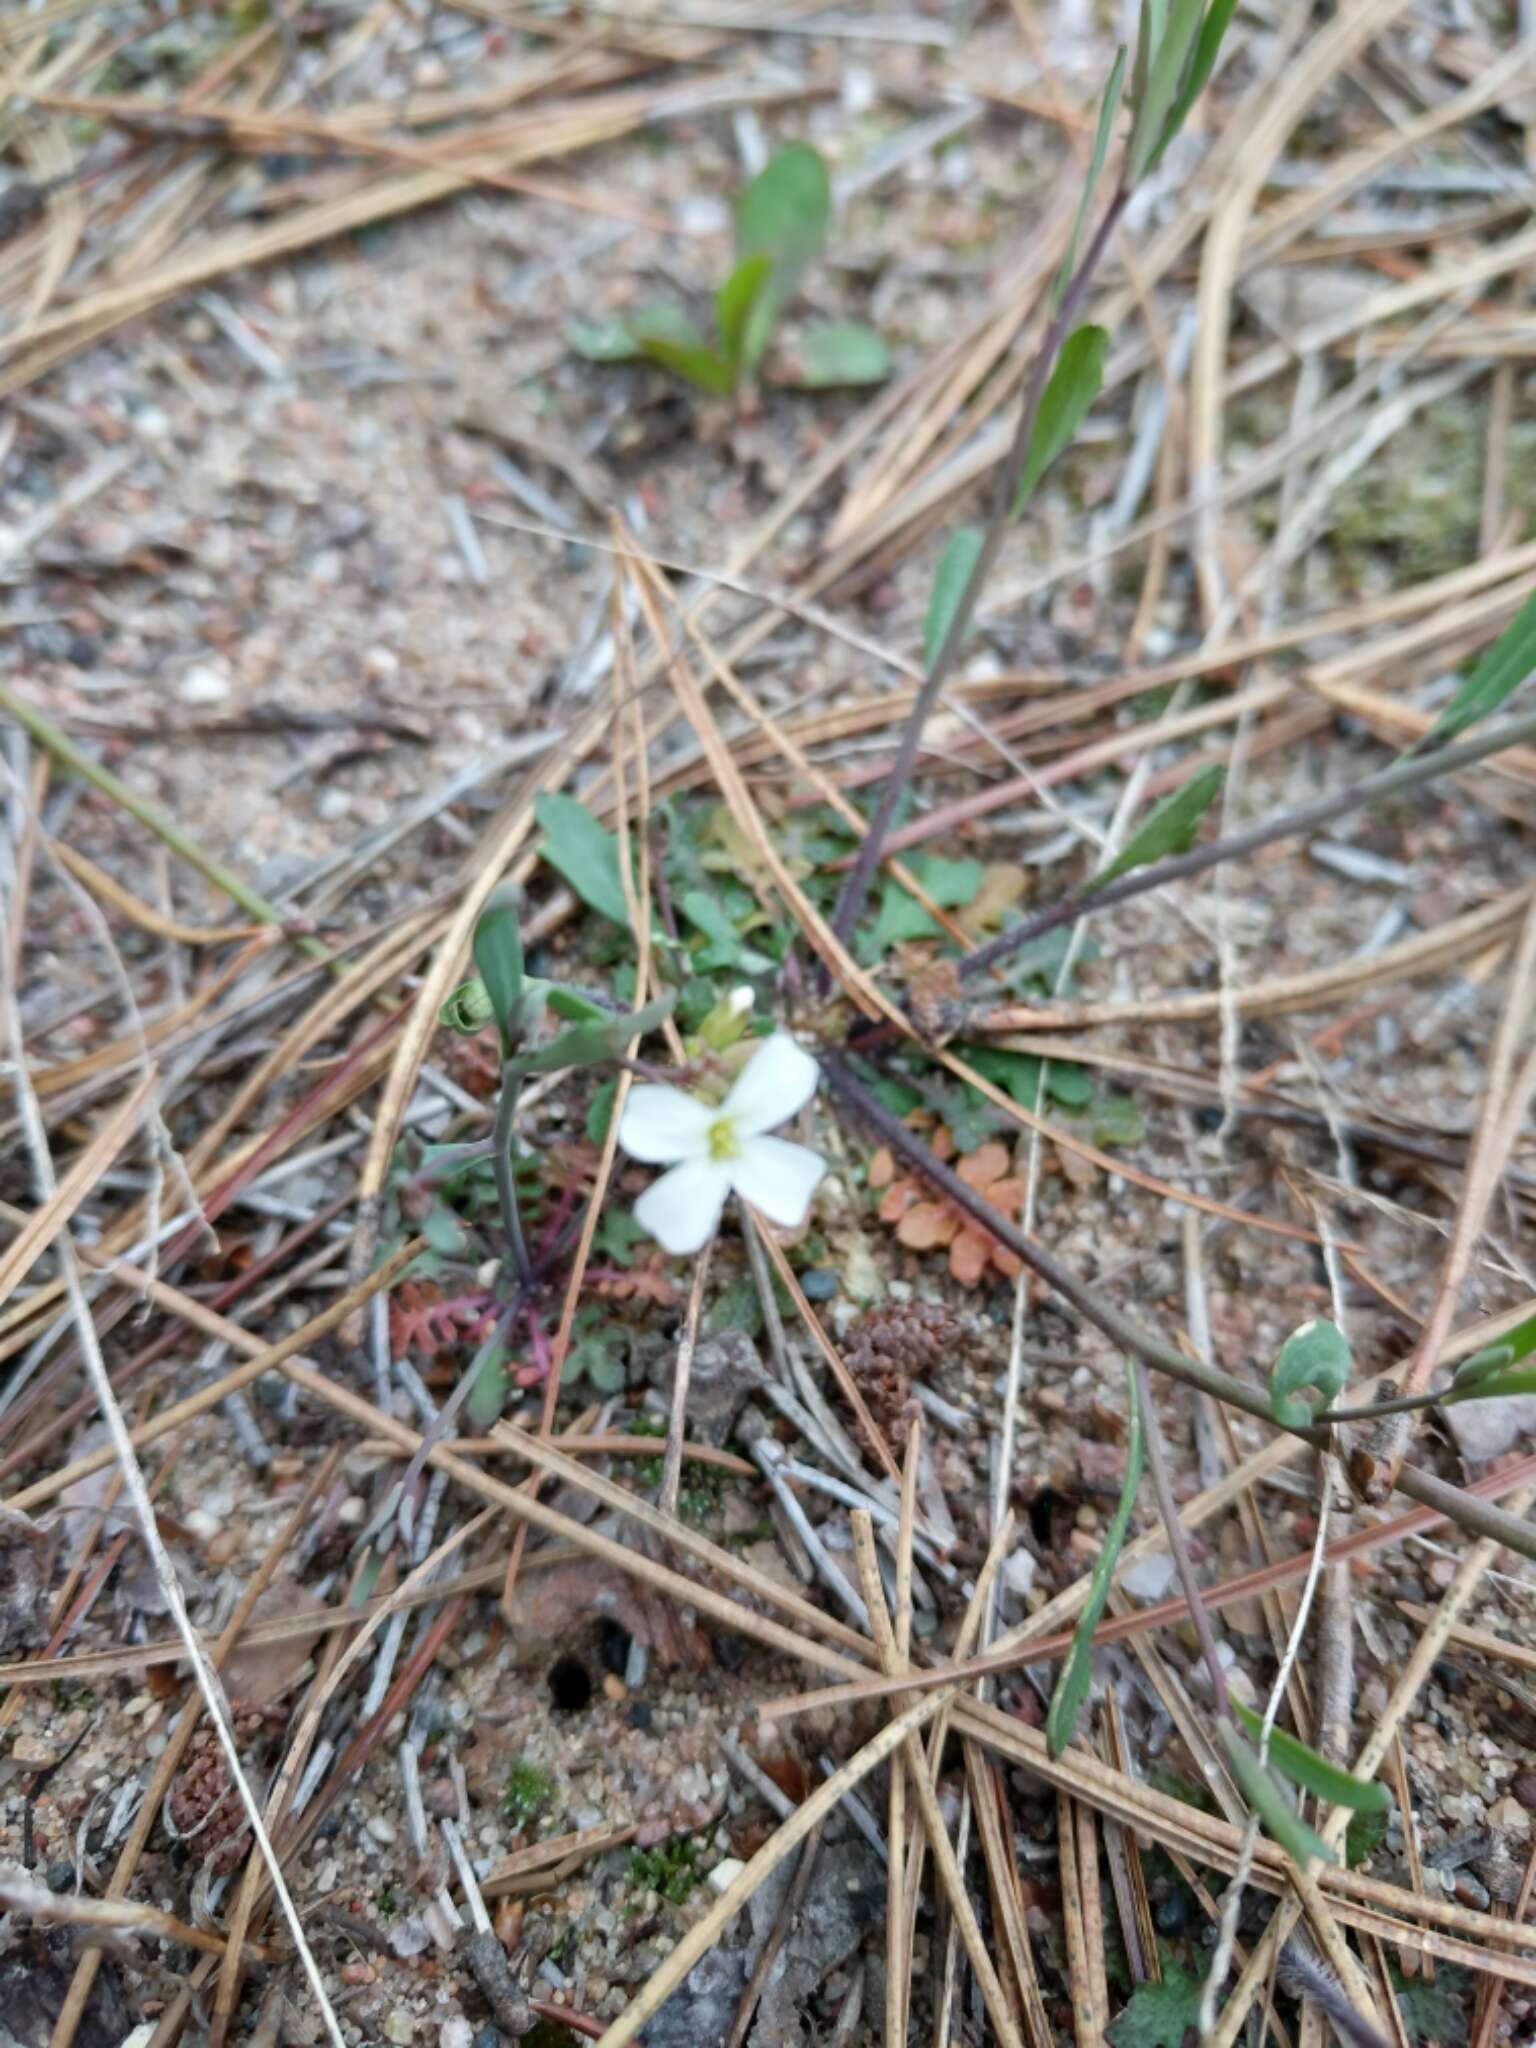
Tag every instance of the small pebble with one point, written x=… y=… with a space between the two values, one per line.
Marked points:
x=224 y=1547
x=725 y=1873
x=382 y=1830
x=440 y=1796
x=614 y=1688
x=203 y=685
x=400 y=2028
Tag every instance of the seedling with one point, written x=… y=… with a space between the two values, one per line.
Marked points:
x=781 y=227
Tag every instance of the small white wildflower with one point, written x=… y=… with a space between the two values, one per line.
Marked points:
x=715 y=1149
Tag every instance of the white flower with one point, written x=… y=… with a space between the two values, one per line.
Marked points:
x=715 y=1149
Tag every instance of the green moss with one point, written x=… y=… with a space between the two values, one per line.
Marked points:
x=1419 y=503
x=672 y=1868
x=529 y=1791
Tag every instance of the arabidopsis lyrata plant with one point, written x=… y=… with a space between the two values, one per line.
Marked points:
x=719 y=1148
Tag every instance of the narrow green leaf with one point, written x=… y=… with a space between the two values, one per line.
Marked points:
x=588 y=1045
x=1149 y=33
x=1498 y=674
x=586 y=854
x=839 y=353
x=1497 y=1357
x=699 y=365
x=1497 y=1386
x=1315 y=1356
x=488 y=1390
x=1277 y=1816
x=1077 y=1672
x=783 y=215
x=1314 y=1773
x=1197 y=76
x=1164 y=80
x=574 y=1004
x=498 y=951
x=1109 y=106
x=602 y=341
x=1073 y=386
x=1172 y=827
x=956 y=566
x=734 y=302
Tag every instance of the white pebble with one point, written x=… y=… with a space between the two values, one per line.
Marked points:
x=382 y=1830
x=203 y=685
x=725 y=1873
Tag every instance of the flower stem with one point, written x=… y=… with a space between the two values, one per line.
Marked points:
x=1402 y=775
x=1464 y=1509
x=855 y=890
x=503 y=1153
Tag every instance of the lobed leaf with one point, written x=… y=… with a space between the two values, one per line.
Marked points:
x=1077 y=1672
x=1317 y=1356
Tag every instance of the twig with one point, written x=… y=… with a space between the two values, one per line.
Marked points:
x=1178 y=1542
x=783 y=1922
x=677 y=1426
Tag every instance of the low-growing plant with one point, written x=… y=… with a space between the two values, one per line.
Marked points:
x=781 y=221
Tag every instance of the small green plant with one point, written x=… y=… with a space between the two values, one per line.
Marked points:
x=529 y=1791
x=781 y=227
x=672 y=1868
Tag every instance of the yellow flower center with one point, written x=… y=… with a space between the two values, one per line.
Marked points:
x=723 y=1141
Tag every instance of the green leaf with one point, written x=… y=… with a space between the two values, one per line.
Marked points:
x=584 y=853
x=1278 y=1818
x=1069 y=1084
x=602 y=341
x=676 y=345
x=839 y=353
x=1317 y=1356
x=1117 y=1120
x=783 y=215
x=1077 y=1672
x=956 y=566
x=588 y=1045
x=1508 y=1350
x=897 y=1096
x=951 y=884
x=443 y=1230
x=1019 y=1073
x=1158 y=2015
x=725 y=948
x=574 y=1004
x=1172 y=827
x=467 y=1010
x=1073 y=386
x=1363 y=1837
x=1498 y=674
x=734 y=302
x=1165 y=78
x=600 y=1111
x=1496 y=1386
x=1109 y=106
x=488 y=1390
x=1314 y=1773
x=498 y=951
x=1196 y=77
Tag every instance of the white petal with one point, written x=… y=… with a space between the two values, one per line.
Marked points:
x=778 y=1178
x=778 y=1080
x=662 y=1124
x=682 y=1209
